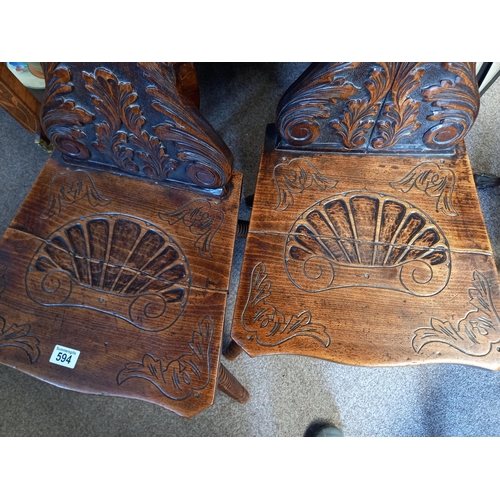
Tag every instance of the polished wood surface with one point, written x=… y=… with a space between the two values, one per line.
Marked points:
x=368 y=259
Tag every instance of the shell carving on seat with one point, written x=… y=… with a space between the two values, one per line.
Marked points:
x=368 y=239
x=116 y=264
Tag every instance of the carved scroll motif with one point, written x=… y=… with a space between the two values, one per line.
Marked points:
x=182 y=377
x=367 y=239
x=297 y=119
x=19 y=336
x=458 y=105
x=62 y=119
x=475 y=333
x=360 y=114
x=202 y=220
x=434 y=181
x=296 y=176
x=115 y=264
x=70 y=187
x=208 y=166
x=270 y=325
x=399 y=118
x=115 y=103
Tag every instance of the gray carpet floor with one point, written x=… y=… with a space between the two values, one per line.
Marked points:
x=288 y=393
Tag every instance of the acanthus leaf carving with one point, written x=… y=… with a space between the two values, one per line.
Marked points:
x=270 y=325
x=399 y=118
x=360 y=114
x=475 y=333
x=115 y=101
x=62 y=119
x=179 y=378
x=208 y=166
x=434 y=181
x=458 y=105
x=297 y=117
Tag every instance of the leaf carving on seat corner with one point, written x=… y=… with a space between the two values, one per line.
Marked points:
x=271 y=326
x=475 y=333
x=181 y=377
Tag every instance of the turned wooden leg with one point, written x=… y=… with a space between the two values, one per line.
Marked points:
x=228 y=384
x=484 y=181
x=232 y=351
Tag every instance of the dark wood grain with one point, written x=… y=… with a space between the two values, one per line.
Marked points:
x=232 y=351
x=187 y=82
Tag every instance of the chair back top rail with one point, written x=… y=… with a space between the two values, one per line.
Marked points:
x=380 y=107
x=137 y=119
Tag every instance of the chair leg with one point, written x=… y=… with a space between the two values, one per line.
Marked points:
x=484 y=181
x=232 y=351
x=228 y=384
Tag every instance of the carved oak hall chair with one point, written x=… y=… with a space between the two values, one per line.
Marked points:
x=367 y=244
x=115 y=269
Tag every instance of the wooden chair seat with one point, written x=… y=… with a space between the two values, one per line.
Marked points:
x=116 y=284
x=365 y=257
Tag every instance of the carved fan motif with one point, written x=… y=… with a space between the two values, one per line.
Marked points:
x=116 y=264
x=363 y=238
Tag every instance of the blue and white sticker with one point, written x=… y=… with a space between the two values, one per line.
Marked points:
x=64 y=356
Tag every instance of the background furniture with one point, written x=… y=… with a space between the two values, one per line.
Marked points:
x=21 y=104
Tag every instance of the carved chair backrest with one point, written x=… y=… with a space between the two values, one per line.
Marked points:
x=390 y=108
x=137 y=119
